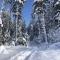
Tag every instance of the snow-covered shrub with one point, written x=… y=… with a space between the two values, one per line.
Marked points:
x=54 y=36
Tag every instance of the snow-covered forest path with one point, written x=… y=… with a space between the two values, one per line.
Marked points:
x=31 y=53
x=14 y=53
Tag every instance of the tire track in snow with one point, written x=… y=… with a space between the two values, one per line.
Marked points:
x=32 y=55
x=11 y=54
x=21 y=56
x=14 y=56
x=27 y=58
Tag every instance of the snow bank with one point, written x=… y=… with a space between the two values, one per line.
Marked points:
x=3 y=50
x=55 y=46
x=45 y=55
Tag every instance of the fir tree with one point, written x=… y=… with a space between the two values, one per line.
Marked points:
x=19 y=24
x=38 y=23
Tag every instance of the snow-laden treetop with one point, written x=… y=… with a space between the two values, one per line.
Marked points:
x=37 y=0
x=20 y=0
x=57 y=2
x=1 y=21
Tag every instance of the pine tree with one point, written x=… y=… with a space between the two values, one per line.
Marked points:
x=57 y=13
x=6 y=26
x=54 y=22
x=38 y=23
x=1 y=35
x=49 y=13
x=5 y=21
x=19 y=24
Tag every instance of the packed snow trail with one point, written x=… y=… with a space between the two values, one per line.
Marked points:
x=15 y=53
x=45 y=55
x=21 y=56
x=30 y=53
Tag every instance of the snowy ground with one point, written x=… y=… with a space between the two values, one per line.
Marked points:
x=31 y=53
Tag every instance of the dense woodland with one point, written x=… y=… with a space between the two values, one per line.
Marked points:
x=43 y=28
